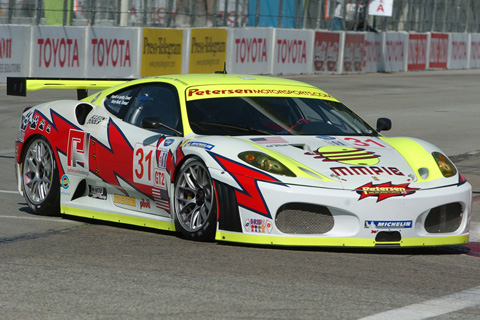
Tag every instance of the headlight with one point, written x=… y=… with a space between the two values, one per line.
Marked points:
x=446 y=166
x=265 y=162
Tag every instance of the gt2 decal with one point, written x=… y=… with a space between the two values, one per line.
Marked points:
x=249 y=196
x=384 y=190
x=354 y=156
x=160 y=179
x=364 y=171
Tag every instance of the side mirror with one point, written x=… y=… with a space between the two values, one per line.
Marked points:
x=384 y=124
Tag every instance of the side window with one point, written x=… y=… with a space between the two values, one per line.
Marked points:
x=155 y=101
x=117 y=103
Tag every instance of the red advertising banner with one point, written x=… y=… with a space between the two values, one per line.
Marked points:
x=353 y=56
x=438 y=50
x=417 y=51
x=326 y=51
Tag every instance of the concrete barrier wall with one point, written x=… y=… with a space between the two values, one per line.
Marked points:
x=109 y=52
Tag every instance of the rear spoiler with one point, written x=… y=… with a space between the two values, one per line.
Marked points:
x=18 y=86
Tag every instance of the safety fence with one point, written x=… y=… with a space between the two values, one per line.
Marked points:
x=406 y=15
x=99 y=52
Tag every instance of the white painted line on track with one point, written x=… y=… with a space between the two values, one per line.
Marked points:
x=434 y=307
x=9 y=191
x=34 y=218
x=7 y=151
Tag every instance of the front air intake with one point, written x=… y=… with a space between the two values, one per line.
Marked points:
x=304 y=218
x=444 y=219
x=388 y=236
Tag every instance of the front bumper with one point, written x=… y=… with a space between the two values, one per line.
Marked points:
x=431 y=217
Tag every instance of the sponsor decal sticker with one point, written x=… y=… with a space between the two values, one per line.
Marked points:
x=125 y=200
x=65 y=182
x=96 y=119
x=168 y=142
x=379 y=224
x=258 y=225
x=145 y=204
x=266 y=140
x=97 y=192
x=199 y=144
x=77 y=152
x=384 y=190
x=366 y=171
x=195 y=92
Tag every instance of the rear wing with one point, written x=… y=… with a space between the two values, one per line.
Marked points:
x=18 y=86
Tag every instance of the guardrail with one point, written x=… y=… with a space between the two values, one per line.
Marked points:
x=112 y=52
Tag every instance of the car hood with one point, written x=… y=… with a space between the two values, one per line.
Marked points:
x=351 y=161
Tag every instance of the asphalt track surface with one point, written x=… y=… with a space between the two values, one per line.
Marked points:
x=54 y=268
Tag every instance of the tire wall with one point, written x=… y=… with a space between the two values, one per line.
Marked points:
x=112 y=52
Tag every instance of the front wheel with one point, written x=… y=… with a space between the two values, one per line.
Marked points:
x=40 y=180
x=195 y=202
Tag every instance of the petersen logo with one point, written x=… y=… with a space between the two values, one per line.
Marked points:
x=384 y=190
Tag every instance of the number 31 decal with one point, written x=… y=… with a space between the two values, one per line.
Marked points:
x=365 y=143
x=143 y=164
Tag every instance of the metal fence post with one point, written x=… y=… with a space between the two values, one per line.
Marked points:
x=38 y=12
x=280 y=8
x=257 y=13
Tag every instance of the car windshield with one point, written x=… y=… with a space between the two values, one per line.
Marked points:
x=274 y=116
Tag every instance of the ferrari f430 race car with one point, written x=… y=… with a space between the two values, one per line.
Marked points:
x=241 y=158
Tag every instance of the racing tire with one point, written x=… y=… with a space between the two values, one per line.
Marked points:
x=195 y=202
x=41 y=185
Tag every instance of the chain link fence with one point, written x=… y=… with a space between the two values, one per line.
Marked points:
x=408 y=15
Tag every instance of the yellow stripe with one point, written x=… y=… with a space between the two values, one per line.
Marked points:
x=105 y=216
x=38 y=84
x=336 y=242
x=416 y=156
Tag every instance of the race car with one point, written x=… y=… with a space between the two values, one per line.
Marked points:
x=239 y=158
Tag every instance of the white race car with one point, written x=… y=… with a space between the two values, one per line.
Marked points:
x=240 y=158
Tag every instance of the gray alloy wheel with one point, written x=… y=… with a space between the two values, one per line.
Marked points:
x=40 y=177
x=195 y=202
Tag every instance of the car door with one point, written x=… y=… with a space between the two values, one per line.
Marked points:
x=136 y=146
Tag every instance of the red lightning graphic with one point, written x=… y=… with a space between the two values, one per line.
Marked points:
x=250 y=196
x=108 y=163
x=115 y=161
x=384 y=190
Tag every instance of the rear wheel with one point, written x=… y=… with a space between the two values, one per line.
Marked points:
x=40 y=180
x=195 y=202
